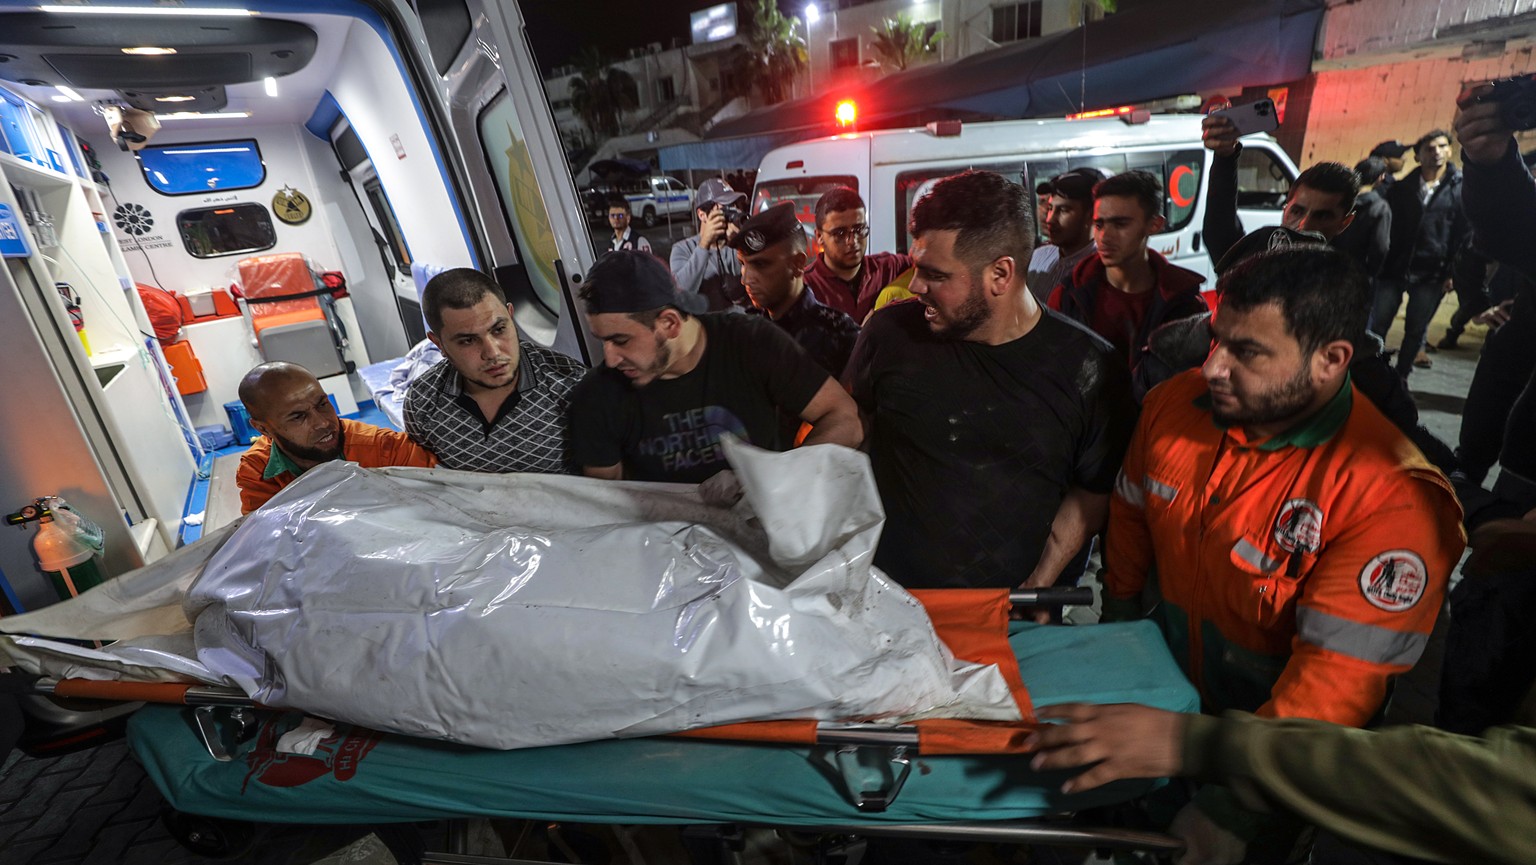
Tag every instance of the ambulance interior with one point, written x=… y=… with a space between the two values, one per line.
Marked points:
x=206 y=159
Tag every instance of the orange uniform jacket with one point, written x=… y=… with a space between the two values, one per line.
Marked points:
x=369 y=446
x=1297 y=575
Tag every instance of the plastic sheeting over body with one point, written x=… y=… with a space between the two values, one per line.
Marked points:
x=514 y=611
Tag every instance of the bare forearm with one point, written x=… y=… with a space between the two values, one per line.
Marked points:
x=1081 y=515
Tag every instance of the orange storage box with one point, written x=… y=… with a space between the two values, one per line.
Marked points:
x=185 y=367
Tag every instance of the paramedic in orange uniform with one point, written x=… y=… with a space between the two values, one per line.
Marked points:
x=300 y=430
x=1296 y=545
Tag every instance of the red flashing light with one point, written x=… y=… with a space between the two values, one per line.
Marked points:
x=1102 y=112
x=847 y=112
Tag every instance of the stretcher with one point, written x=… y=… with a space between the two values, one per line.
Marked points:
x=358 y=776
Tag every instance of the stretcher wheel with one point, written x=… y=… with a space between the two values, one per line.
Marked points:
x=213 y=837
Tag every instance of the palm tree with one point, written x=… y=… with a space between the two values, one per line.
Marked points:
x=601 y=94
x=902 y=42
x=777 y=52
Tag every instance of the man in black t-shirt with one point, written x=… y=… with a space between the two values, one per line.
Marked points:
x=996 y=427
x=674 y=381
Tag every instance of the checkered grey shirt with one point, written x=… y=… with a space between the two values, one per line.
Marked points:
x=531 y=434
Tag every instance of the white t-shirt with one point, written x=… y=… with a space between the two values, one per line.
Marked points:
x=1047 y=268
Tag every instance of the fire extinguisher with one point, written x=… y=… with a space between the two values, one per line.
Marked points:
x=68 y=545
x=72 y=306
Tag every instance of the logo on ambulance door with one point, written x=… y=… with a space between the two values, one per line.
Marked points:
x=1299 y=528
x=1394 y=580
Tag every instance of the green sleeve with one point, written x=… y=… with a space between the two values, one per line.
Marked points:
x=1415 y=791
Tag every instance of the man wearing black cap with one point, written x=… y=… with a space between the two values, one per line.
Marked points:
x=674 y=380
x=1068 y=224
x=702 y=265
x=1391 y=152
x=771 y=248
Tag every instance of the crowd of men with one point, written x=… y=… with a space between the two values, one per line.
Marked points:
x=1254 y=476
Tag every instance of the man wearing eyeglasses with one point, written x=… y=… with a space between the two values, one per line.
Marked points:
x=624 y=237
x=843 y=276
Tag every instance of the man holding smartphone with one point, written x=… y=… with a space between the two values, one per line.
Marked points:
x=702 y=265
x=1322 y=199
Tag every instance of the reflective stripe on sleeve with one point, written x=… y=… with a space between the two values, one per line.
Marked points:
x=1129 y=491
x=1371 y=643
x=1254 y=556
x=1160 y=489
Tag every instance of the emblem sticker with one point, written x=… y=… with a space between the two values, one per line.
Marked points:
x=755 y=240
x=1299 y=528
x=1394 y=580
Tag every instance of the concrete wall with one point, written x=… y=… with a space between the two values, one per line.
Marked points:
x=1365 y=27
x=1393 y=68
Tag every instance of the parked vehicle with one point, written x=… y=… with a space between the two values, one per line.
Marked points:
x=891 y=168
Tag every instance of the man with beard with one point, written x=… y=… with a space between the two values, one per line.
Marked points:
x=495 y=402
x=995 y=426
x=675 y=380
x=300 y=430
x=1294 y=545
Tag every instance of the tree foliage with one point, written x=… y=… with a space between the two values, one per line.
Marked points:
x=901 y=42
x=601 y=94
x=776 y=53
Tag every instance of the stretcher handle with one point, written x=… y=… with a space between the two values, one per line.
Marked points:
x=1070 y=596
x=178 y=693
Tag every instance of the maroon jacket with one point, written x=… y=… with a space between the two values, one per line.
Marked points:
x=857 y=298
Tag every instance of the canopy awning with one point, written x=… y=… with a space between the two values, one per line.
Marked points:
x=1150 y=51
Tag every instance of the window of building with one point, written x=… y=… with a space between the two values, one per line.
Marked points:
x=845 y=52
x=209 y=232
x=666 y=89
x=1014 y=21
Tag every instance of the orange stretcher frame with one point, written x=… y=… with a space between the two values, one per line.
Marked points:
x=973 y=623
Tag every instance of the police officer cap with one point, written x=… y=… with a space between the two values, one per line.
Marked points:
x=774 y=225
x=1265 y=239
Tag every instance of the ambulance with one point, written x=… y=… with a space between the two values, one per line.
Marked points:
x=891 y=168
x=193 y=188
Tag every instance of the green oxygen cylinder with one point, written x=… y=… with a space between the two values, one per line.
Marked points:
x=68 y=548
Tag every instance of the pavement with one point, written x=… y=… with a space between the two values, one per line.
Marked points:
x=97 y=806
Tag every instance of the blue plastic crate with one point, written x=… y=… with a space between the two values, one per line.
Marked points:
x=240 y=422
x=215 y=436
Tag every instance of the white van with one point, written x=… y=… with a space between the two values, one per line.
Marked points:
x=890 y=168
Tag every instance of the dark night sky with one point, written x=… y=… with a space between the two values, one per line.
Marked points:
x=558 y=29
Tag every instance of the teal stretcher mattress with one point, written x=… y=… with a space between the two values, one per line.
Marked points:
x=357 y=776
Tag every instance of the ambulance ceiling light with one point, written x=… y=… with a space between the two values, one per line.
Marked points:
x=147 y=10
x=175 y=98
x=149 y=51
x=203 y=115
x=68 y=93
x=271 y=84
